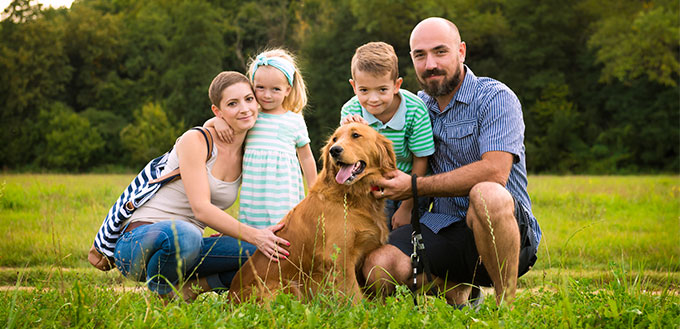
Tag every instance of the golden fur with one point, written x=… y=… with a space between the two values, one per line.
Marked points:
x=332 y=229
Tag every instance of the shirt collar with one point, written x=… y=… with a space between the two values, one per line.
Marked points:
x=464 y=95
x=398 y=120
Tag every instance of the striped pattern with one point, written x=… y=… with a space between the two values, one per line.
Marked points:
x=409 y=129
x=485 y=115
x=138 y=192
x=272 y=178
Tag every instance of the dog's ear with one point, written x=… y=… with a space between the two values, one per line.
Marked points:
x=387 y=158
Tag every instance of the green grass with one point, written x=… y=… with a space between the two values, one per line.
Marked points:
x=608 y=258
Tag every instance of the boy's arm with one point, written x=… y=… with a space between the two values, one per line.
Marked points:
x=223 y=130
x=307 y=163
x=403 y=215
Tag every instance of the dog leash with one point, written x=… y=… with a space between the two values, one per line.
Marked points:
x=418 y=254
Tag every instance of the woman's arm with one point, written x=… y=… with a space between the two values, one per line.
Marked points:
x=307 y=163
x=192 y=153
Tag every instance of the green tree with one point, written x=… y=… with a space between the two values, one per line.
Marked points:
x=109 y=125
x=70 y=140
x=193 y=57
x=150 y=134
x=325 y=62
x=635 y=39
x=94 y=45
x=35 y=71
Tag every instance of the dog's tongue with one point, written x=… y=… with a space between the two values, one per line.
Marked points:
x=343 y=174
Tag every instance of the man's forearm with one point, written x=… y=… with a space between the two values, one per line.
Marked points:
x=494 y=167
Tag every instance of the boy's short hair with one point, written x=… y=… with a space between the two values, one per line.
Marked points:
x=223 y=81
x=377 y=58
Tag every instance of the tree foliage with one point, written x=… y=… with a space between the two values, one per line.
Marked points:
x=597 y=79
x=70 y=140
x=150 y=134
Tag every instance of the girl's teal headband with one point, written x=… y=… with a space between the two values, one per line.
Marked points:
x=283 y=65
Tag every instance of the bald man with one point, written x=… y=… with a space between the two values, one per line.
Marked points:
x=481 y=230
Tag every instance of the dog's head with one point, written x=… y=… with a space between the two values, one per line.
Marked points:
x=356 y=154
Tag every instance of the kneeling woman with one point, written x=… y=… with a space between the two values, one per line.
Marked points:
x=163 y=241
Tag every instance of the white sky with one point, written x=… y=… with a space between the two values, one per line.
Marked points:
x=46 y=3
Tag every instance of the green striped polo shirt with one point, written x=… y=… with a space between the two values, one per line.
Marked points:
x=409 y=129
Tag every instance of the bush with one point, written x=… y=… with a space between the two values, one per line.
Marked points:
x=70 y=140
x=150 y=135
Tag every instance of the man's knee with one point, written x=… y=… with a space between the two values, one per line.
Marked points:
x=382 y=263
x=489 y=202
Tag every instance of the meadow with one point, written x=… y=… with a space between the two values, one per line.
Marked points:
x=609 y=257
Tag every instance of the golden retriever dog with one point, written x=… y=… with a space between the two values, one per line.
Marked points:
x=333 y=228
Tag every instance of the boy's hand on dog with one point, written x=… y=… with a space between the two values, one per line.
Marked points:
x=401 y=217
x=353 y=118
x=395 y=185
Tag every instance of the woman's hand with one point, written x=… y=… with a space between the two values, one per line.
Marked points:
x=270 y=244
x=224 y=131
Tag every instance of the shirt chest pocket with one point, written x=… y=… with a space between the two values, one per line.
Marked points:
x=460 y=130
x=461 y=140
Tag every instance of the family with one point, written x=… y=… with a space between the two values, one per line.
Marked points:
x=462 y=136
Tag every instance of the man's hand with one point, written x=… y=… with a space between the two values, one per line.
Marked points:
x=353 y=118
x=395 y=185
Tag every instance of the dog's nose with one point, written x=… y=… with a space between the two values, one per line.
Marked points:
x=335 y=151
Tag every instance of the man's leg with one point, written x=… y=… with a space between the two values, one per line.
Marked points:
x=492 y=221
x=386 y=267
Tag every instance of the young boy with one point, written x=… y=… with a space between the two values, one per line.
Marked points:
x=395 y=113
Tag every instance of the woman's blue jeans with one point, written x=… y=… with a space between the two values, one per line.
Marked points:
x=165 y=253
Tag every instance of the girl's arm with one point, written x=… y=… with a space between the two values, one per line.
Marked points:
x=192 y=153
x=224 y=131
x=403 y=215
x=307 y=163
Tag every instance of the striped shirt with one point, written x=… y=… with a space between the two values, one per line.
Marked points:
x=484 y=115
x=272 y=180
x=409 y=129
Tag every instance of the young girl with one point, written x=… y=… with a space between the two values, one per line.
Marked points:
x=272 y=181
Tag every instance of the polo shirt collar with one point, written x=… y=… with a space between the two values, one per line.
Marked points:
x=465 y=93
x=398 y=120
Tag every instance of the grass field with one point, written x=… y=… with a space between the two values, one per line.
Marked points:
x=609 y=258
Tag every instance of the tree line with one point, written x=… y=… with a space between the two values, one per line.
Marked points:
x=109 y=84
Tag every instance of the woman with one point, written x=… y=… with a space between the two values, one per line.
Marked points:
x=163 y=241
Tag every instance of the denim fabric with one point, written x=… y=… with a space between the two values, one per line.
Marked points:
x=166 y=252
x=391 y=207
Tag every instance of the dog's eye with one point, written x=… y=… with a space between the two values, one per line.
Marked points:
x=355 y=135
x=335 y=139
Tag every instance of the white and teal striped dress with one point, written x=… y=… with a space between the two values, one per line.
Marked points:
x=272 y=179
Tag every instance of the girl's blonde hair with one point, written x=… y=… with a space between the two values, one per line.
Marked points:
x=297 y=99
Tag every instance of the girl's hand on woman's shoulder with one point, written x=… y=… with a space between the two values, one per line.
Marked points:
x=224 y=131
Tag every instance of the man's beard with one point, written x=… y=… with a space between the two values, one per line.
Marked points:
x=446 y=87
